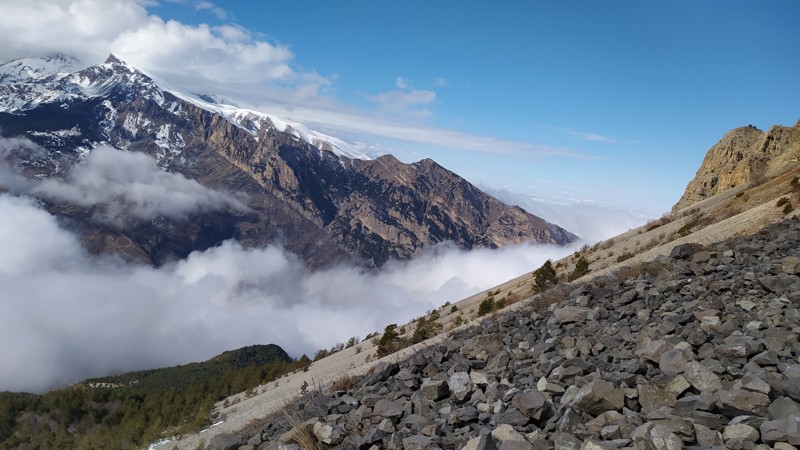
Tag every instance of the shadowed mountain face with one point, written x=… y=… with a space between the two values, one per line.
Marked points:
x=313 y=194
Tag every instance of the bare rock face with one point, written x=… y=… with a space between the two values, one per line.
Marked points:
x=323 y=205
x=743 y=156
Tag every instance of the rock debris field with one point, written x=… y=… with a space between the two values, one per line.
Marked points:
x=698 y=349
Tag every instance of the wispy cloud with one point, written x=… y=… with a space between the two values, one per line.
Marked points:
x=406 y=100
x=582 y=135
x=594 y=137
x=220 y=13
x=121 y=184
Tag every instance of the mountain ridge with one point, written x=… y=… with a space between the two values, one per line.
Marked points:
x=313 y=193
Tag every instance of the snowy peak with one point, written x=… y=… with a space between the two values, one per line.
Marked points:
x=31 y=69
x=27 y=83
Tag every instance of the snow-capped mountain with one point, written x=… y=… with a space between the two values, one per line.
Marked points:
x=317 y=195
x=30 y=82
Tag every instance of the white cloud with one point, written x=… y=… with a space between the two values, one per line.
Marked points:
x=122 y=184
x=594 y=137
x=231 y=61
x=218 y=12
x=94 y=317
x=91 y=29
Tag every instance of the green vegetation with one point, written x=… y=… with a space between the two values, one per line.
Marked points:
x=427 y=327
x=544 y=277
x=486 y=306
x=390 y=341
x=581 y=268
x=133 y=409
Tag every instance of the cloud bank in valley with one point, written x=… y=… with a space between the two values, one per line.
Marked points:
x=66 y=315
x=121 y=184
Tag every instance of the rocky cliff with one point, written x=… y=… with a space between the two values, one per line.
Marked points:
x=697 y=349
x=743 y=156
x=315 y=195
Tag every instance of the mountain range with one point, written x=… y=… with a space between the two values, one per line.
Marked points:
x=264 y=180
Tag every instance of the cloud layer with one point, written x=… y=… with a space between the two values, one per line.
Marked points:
x=122 y=184
x=97 y=316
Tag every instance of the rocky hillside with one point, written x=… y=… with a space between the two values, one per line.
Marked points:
x=314 y=194
x=698 y=349
x=743 y=156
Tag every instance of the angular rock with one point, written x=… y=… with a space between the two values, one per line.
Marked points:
x=783 y=408
x=460 y=385
x=225 y=441
x=598 y=397
x=735 y=435
x=701 y=378
x=531 y=403
x=568 y=314
x=388 y=409
x=783 y=430
x=735 y=403
x=419 y=442
x=435 y=390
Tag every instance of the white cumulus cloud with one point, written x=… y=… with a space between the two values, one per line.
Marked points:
x=97 y=316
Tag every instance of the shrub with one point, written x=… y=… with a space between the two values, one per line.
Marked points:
x=782 y=201
x=624 y=256
x=390 y=342
x=581 y=268
x=426 y=328
x=486 y=306
x=453 y=309
x=787 y=208
x=545 y=277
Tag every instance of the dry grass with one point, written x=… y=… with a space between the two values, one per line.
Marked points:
x=301 y=435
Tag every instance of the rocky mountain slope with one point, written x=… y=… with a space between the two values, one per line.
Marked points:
x=314 y=194
x=616 y=359
x=743 y=156
x=697 y=349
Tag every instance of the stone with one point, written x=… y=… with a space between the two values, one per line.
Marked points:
x=505 y=432
x=701 y=378
x=483 y=442
x=735 y=435
x=652 y=398
x=327 y=434
x=435 y=390
x=662 y=438
x=678 y=385
x=598 y=397
x=673 y=362
x=565 y=441
x=685 y=251
x=783 y=408
x=783 y=430
x=531 y=403
x=736 y=402
x=791 y=265
x=419 y=442
x=225 y=441
x=388 y=409
x=478 y=378
x=460 y=385
x=653 y=350
x=568 y=314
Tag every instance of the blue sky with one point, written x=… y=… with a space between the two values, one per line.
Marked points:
x=606 y=102
x=638 y=91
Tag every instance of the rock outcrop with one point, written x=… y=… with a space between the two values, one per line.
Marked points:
x=694 y=350
x=743 y=156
